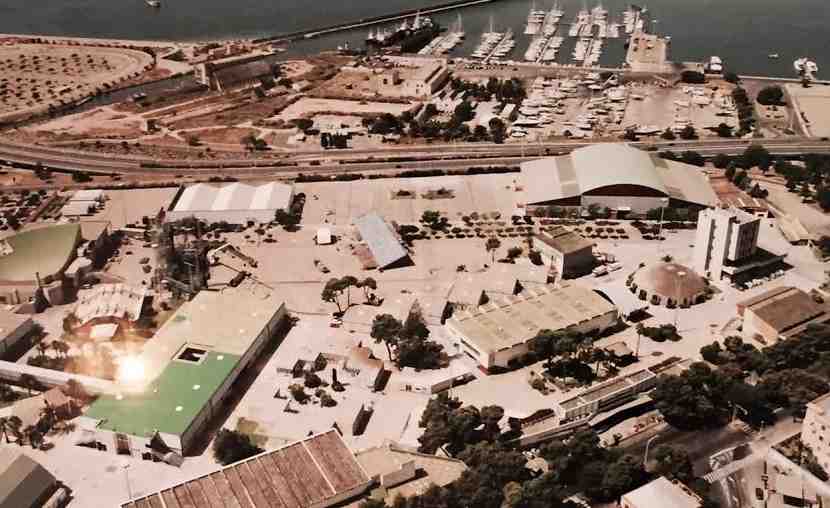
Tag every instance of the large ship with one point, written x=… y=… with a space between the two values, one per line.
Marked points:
x=410 y=37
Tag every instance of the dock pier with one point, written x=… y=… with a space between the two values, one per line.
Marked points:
x=363 y=23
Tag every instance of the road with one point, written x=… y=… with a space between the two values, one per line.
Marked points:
x=400 y=158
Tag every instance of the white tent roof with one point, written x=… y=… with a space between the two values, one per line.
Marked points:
x=236 y=196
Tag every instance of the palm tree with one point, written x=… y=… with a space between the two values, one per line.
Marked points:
x=42 y=347
x=492 y=244
x=12 y=426
x=60 y=347
x=4 y=422
x=367 y=284
x=33 y=435
x=347 y=282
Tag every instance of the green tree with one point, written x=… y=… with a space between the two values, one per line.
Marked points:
x=694 y=399
x=285 y=219
x=723 y=130
x=721 y=160
x=29 y=382
x=668 y=134
x=688 y=133
x=386 y=329
x=624 y=475
x=332 y=292
x=771 y=96
x=232 y=446
x=368 y=284
x=674 y=463
x=492 y=245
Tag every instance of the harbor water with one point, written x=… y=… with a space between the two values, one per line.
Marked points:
x=742 y=32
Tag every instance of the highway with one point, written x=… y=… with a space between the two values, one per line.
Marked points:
x=421 y=157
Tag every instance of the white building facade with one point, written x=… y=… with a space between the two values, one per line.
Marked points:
x=724 y=236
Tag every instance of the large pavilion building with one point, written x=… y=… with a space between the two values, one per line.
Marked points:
x=614 y=176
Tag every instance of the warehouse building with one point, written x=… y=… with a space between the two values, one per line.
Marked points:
x=14 y=328
x=614 y=176
x=237 y=72
x=235 y=203
x=26 y=484
x=381 y=248
x=567 y=252
x=317 y=472
x=182 y=376
x=779 y=313
x=499 y=332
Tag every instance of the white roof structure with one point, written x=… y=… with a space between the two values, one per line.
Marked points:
x=324 y=236
x=200 y=199
x=78 y=208
x=121 y=301
x=659 y=493
x=382 y=241
x=594 y=167
x=103 y=332
x=88 y=195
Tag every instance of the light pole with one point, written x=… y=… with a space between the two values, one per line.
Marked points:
x=645 y=455
x=663 y=203
x=678 y=282
x=126 y=466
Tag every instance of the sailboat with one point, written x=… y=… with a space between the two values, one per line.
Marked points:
x=153 y=3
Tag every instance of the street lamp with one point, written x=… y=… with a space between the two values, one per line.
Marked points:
x=645 y=455
x=678 y=282
x=126 y=466
x=664 y=202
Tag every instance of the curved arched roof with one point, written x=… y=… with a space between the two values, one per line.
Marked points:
x=613 y=164
x=670 y=280
x=44 y=250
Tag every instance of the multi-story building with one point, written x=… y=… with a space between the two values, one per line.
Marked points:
x=726 y=245
x=815 y=431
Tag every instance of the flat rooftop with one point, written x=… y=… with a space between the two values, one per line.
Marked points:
x=299 y=475
x=170 y=403
x=225 y=322
x=660 y=493
x=564 y=240
x=506 y=321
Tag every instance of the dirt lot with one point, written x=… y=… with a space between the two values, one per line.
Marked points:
x=101 y=122
x=230 y=135
x=308 y=107
x=35 y=76
x=812 y=108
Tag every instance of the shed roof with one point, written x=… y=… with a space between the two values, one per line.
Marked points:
x=601 y=165
x=784 y=308
x=299 y=475
x=240 y=73
x=22 y=480
x=389 y=458
x=381 y=240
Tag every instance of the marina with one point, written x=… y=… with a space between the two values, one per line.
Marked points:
x=696 y=32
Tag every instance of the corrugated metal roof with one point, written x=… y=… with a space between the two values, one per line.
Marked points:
x=601 y=165
x=307 y=473
x=382 y=241
x=235 y=196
